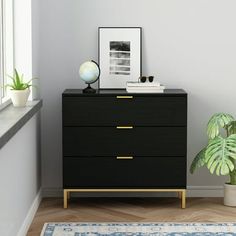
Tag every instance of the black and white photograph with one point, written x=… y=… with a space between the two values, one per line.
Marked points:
x=119 y=62
x=120 y=46
x=119 y=68
x=119 y=56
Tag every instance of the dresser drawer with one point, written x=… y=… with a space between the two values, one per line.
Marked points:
x=110 y=141
x=111 y=111
x=108 y=172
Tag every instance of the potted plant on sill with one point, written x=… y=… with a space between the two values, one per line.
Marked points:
x=19 y=90
x=219 y=155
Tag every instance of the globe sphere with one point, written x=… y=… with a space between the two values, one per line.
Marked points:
x=89 y=72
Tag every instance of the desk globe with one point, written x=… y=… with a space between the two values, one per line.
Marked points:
x=89 y=72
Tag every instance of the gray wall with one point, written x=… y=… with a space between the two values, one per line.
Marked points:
x=188 y=44
x=20 y=178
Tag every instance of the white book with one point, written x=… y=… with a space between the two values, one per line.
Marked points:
x=139 y=84
x=161 y=87
x=144 y=90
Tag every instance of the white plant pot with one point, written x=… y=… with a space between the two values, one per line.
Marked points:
x=230 y=195
x=19 y=97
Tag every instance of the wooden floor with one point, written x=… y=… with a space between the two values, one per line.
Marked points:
x=131 y=210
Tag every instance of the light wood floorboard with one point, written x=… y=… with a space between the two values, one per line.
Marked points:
x=131 y=210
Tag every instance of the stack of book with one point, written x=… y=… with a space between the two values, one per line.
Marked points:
x=147 y=87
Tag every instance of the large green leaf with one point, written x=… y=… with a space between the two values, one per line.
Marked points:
x=231 y=127
x=220 y=154
x=217 y=121
x=198 y=161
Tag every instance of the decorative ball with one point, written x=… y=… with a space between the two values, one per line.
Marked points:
x=89 y=72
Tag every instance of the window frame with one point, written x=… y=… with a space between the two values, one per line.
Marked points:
x=7 y=56
x=1 y=51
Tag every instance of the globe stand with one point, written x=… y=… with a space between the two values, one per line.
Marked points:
x=89 y=89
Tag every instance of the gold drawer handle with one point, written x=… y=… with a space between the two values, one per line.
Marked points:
x=124 y=158
x=124 y=97
x=124 y=127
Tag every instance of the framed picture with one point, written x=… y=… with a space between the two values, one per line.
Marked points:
x=120 y=56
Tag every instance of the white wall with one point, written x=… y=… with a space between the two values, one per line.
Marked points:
x=188 y=44
x=20 y=178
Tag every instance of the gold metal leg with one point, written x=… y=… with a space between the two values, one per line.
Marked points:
x=179 y=195
x=183 y=200
x=65 y=199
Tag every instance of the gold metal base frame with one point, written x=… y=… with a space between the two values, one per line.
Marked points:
x=181 y=193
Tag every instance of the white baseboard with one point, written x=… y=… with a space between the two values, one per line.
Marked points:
x=30 y=215
x=192 y=191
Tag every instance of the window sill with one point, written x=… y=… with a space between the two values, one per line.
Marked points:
x=12 y=119
x=5 y=103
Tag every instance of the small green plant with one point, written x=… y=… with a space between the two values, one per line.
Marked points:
x=219 y=155
x=18 y=82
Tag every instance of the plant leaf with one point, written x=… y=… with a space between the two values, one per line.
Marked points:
x=219 y=155
x=217 y=121
x=198 y=161
x=18 y=82
x=213 y=167
x=232 y=127
x=17 y=79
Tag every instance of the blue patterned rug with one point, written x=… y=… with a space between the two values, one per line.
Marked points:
x=139 y=229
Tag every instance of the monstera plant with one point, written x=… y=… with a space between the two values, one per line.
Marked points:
x=219 y=155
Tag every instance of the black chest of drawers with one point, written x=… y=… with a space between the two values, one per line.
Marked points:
x=115 y=141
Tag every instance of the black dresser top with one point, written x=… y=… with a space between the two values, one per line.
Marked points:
x=110 y=92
